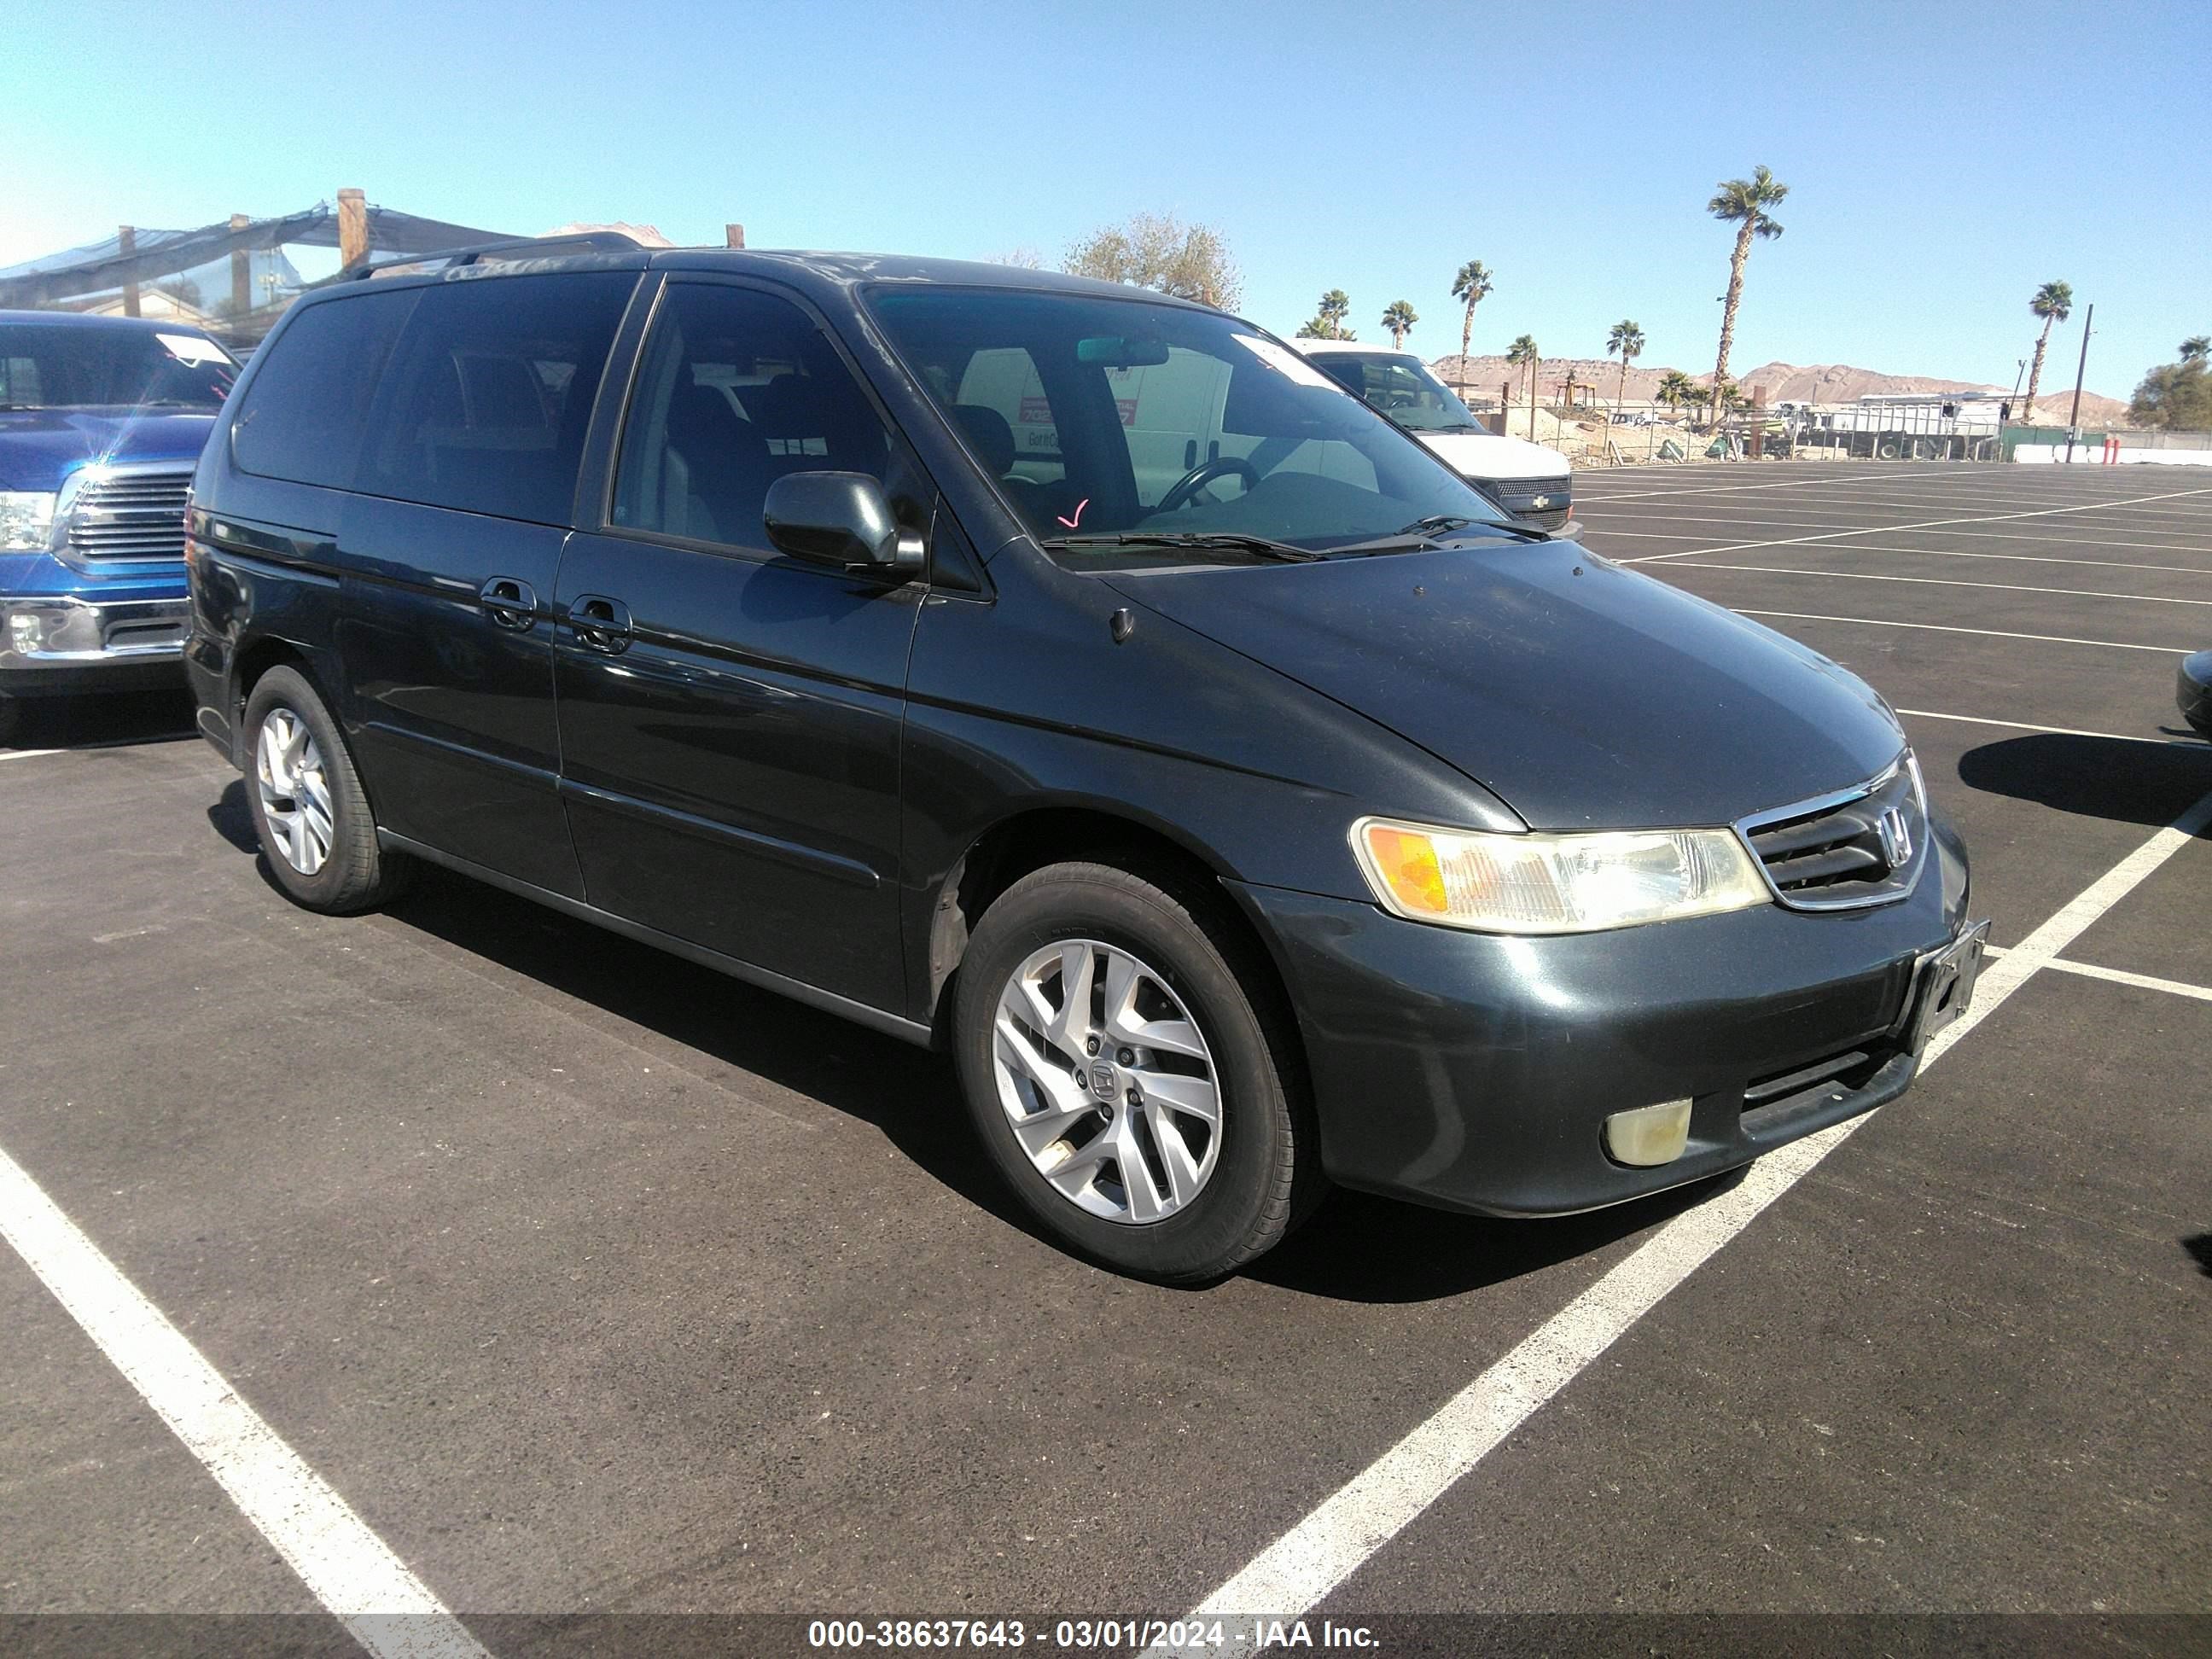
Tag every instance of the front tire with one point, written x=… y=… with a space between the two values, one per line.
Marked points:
x=1132 y=1074
x=310 y=811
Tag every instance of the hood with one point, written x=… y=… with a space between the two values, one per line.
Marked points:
x=1584 y=696
x=40 y=448
x=1483 y=455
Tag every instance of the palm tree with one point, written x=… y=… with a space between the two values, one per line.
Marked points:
x=2053 y=302
x=2196 y=348
x=1523 y=351
x=1627 y=339
x=1472 y=283
x=1336 y=307
x=1399 y=317
x=1743 y=203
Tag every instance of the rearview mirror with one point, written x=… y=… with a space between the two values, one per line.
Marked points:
x=840 y=519
x=1122 y=351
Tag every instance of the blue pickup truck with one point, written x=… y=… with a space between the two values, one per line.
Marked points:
x=101 y=422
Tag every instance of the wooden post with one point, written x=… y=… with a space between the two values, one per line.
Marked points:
x=241 y=272
x=353 y=229
x=734 y=236
x=1758 y=423
x=127 y=240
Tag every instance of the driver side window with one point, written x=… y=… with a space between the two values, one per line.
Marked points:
x=738 y=388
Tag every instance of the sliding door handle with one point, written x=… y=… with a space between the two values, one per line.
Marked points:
x=512 y=604
x=599 y=623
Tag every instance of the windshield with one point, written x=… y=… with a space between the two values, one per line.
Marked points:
x=1101 y=418
x=70 y=366
x=1402 y=386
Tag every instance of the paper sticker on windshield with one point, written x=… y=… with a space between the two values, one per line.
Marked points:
x=191 y=348
x=1284 y=361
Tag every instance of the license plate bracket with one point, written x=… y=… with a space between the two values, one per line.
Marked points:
x=1943 y=984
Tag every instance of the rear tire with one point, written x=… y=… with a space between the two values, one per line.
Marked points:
x=309 y=809
x=1198 y=1029
x=11 y=718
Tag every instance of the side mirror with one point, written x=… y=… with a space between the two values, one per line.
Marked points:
x=843 y=520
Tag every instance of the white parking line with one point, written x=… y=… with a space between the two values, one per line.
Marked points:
x=2121 y=977
x=2058 y=731
x=1833 y=481
x=1944 y=582
x=27 y=754
x=2055 y=541
x=386 y=1607
x=1928 y=523
x=1976 y=535
x=1346 y=1528
x=1968 y=553
x=1944 y=628
x=2028 y=558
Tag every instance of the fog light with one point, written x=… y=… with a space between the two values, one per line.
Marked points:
x=1649 y=1134
x=26 y=632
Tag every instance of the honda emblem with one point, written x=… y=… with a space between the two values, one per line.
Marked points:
x=1896 y=839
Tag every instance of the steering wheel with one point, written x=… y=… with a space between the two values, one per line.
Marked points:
x=1185 y=488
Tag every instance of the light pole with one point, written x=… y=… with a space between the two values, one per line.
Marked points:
x=2074 y=420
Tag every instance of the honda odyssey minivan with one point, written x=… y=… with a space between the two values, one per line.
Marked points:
x=1080 y=681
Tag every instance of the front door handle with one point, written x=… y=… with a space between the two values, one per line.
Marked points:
x=512 y=604
x=600 y=624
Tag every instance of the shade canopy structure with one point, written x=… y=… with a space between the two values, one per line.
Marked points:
x=75 y=276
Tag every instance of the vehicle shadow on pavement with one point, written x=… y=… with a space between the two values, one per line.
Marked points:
x=108 y=721
x=905 y=1091
x=1360 y=1247
x=234 y=820
x=2096 y=777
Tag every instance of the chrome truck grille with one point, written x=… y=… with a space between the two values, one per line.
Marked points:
x=129 y=514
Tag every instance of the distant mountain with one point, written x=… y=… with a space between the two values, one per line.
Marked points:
x=1821 y=383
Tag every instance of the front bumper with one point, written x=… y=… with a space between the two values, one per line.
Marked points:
x=2192 y=691
x=1476 y=1073
x=56 y=643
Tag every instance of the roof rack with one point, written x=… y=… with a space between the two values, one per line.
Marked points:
x=594 y=241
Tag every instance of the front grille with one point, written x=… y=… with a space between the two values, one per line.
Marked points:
x=1519 y=497
x=1864 y=847
x=130 y=515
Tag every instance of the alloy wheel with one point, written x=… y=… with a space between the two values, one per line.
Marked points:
x=1106 y=1081
x=295 y=796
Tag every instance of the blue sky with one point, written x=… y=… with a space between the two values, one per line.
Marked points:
x=1944 y=158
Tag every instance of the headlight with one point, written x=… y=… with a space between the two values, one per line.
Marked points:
x=27 y=518
x=1539 y=884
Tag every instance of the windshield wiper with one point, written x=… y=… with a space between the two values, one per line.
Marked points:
x=1420 y=535
x=1443 y=523
x=1262 y=546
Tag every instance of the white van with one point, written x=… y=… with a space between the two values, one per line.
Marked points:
x=1527 y=480
x=1175 y=415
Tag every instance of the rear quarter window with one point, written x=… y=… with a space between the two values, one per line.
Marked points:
x=489 y=390
x=304 y=414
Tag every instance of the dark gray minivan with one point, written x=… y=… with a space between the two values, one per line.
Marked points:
x=1078 y=680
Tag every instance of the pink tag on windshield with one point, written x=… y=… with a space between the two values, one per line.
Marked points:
x=1077 y=518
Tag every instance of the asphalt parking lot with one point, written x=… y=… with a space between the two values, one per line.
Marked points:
x=592 y=1282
